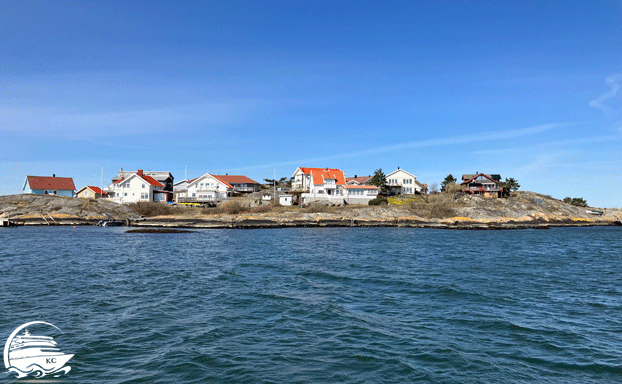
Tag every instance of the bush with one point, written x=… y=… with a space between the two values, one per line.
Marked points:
x=576 y=201
x=149 y=209
x=378 y=201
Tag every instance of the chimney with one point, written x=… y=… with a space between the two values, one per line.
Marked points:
x=355 y=176
x=53 y=174
x=140 y=172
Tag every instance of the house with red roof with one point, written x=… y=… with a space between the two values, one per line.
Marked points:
x=319 y=181
x=137 y=187
x=90 y=192
x=206 y=188
x=45 y=185
x=329 y=184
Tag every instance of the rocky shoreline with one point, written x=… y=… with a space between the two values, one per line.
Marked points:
x=526 y=210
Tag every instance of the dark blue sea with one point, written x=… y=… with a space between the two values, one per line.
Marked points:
x=330 y=305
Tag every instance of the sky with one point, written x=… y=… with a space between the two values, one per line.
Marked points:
x=526 y=89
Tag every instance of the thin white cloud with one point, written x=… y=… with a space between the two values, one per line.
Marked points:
x=51 y=122
x=615 y=83
x=454 y=140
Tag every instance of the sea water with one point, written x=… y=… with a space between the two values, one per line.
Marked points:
x=321 y=305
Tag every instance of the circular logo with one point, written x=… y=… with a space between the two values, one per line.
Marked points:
x=30 y=354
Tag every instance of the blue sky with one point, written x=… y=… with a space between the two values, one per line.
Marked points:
x=529 y=90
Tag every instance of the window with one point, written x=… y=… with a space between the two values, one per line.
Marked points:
x=86 y=193
x=55 y=192
x=143 y=185
x=125 y=194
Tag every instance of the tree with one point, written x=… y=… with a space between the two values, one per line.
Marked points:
x=509 y=185
x=434 y=188
x=576 y=201
x=450 y=179
x=379 y=180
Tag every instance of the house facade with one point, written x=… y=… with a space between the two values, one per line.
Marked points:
x=137 y=187
x=162 y=177
x=90 y=192
x=359 y=194
x=45 y=185
x=482 y=184
x=400 y=182
x=206 y=188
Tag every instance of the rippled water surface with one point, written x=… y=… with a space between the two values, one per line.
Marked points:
x=339 y=305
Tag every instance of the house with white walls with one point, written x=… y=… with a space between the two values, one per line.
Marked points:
x=400 y=182
x=137 y=187
x=206 y=188
x=359 y=194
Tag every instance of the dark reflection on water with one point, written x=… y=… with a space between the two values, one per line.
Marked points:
x=322 y=305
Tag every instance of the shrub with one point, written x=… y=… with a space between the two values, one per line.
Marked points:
x=149 y=209
x=378 y=201
x=576 y=201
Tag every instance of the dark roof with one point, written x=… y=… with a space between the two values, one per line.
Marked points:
x=359 y=179
x=54 y=183
x=236 y=179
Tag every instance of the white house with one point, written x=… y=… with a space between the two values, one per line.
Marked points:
x=401 y=182
x=135 y=188
x=208 y=188
x=359 y=194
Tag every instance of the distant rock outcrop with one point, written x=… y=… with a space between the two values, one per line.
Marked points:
x=44 y=209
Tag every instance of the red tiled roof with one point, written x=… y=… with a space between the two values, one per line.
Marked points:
x=222 y=181
x=148 y=179
x=236 y=179
x=151 y=180
x=55 y=183
x=96 y=189
x=347 y=186
x=320 y=174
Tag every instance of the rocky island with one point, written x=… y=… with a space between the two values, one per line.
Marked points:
x=521 y=210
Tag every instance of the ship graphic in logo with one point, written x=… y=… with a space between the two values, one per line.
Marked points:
x=30 y=355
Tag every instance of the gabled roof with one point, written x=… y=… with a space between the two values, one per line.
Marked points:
x=148 y=179
x=473 y=177
x=52 y=183
x=398 y=170
x=92 y=188
x=236 y=179
x=95 y=189
x=359 y=179
x=210 y=175
x=320 y=174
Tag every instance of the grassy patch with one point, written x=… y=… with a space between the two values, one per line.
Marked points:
x=435 y=207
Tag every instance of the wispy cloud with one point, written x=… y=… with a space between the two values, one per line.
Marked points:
x=80 y=125
x=453 y=140
x=615 y=83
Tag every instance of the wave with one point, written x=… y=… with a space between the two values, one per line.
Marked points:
x=36 y=371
